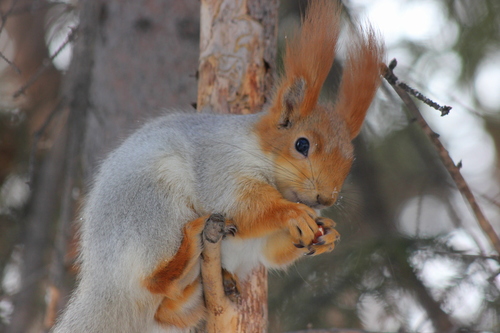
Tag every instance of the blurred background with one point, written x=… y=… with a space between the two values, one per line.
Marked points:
x=412 y=257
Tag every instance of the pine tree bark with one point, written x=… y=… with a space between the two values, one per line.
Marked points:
x=237 y=57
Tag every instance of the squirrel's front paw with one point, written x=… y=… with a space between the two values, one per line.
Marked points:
x=217 y=227
x=326 y=237
x=302 y=224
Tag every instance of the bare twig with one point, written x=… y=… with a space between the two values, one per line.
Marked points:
x=4 y=16
x=46 y=63
x=393 y=80
x=453 y=169
x=11 y=64
x=470 y=256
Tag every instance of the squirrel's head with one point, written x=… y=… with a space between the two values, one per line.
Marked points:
x=311 y=153
x=310 y=143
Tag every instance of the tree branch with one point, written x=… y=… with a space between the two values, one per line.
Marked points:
x=221 y=313
x=3 y=17
x=394 y=81
x=10 y=63
x=46 y=63
x=453 y=169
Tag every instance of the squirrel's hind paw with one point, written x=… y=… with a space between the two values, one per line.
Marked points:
x=231 y=286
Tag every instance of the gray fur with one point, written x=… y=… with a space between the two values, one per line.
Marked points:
x=143 y=195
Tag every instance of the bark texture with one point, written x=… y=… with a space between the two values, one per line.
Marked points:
x=237 y=54
x=237 y=57
x=145 y=59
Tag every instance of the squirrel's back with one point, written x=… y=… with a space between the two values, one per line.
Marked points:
x=157 y=180
x=138 y=200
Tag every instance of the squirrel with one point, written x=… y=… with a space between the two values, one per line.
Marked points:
x=269 y=173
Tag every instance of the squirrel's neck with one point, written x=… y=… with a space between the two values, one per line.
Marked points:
x=229 y=152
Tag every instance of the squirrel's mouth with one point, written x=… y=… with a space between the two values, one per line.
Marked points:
x=295 y=197
x=292 y=196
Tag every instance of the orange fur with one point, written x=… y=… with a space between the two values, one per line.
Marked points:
x=360 y=79
x=295 y=113
x=280 y=249
x=282 y=210
x=169 y=278
x=310 y=54
x=262 y=211
x=177 y=312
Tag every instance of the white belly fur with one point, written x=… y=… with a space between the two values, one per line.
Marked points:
x=241 y=256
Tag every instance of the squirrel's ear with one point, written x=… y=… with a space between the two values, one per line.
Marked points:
x=308 y=58
x=360 y=78
x=291 y=100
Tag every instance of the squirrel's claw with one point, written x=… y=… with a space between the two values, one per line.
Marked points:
x=230 y=229
x=325 y=242
x=323 y=221
x=310 y=253
x=216 y=227
x=301 y=224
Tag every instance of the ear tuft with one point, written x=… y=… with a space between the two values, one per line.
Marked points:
x=308 y=59
x=292 y=99
x=361 y=78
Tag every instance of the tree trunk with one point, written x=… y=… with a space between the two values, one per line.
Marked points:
x=26 y=30
x=145 y=59
x=237 y=57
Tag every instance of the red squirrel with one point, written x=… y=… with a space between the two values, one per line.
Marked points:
x=269 y=173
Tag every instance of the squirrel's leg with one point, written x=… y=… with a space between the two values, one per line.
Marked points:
x=280 y=249
x=183 y=312
x=262 y=211
x=292 y=229
x=178 y=281
x=171 y=277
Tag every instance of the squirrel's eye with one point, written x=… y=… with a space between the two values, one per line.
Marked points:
x=302 y=146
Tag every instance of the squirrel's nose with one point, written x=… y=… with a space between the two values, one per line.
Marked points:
x=324 y=200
